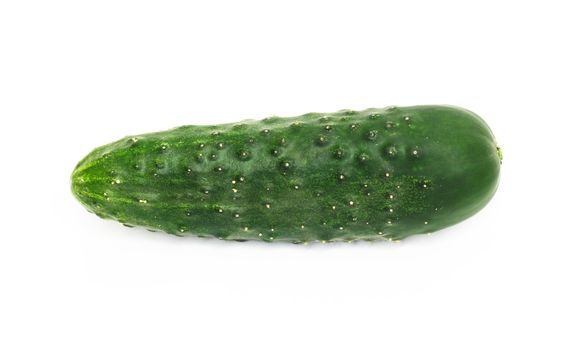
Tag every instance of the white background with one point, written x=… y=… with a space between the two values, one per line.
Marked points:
x=78 y=74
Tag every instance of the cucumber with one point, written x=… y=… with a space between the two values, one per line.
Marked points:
x=350 y=175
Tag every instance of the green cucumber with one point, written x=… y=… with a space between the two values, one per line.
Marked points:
x=350 y=175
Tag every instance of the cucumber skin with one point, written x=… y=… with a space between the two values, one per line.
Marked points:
x=367 y=175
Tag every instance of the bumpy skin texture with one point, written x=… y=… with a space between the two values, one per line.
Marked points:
x=373 y=174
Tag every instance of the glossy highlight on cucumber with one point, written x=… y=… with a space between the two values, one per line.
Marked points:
x=350 y=175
